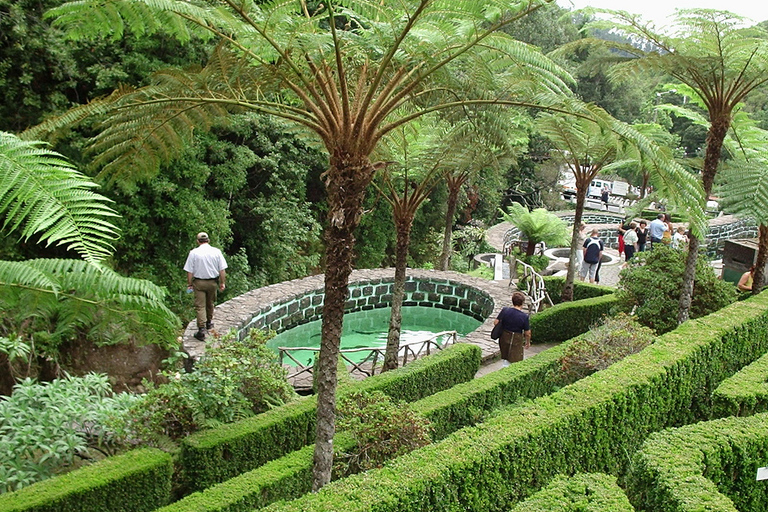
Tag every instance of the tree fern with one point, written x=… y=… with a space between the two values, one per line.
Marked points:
x=42 y=194
x=66 y=297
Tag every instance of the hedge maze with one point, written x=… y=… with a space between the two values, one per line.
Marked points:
x=671 y=428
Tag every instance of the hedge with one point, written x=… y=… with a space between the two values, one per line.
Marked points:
x=593 y=425
x=707 y=466
x=216 y=455
x=745 y=393
x=584 y=492
x=137 y=481
x=568 y=319
x=581 y=289
x=448 y=410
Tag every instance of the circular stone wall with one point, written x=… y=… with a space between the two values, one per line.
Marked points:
x=281 y=306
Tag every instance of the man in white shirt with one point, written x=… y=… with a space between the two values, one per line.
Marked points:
x=656 y=229
x=206 y=274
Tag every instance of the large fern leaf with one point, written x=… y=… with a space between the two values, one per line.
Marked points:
x=42 y=194
x=73 y=295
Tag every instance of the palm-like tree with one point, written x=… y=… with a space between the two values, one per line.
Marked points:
x=537 y=225
x=348 y=72
x=718 y=61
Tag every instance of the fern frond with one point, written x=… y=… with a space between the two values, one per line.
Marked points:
x=42 y=194
x=77 y=295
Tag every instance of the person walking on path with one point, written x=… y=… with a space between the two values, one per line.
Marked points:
x=593 y=252
x=205 y=267
x=516 y=334
x=656 y=229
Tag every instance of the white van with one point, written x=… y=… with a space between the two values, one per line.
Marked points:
x=597 y=186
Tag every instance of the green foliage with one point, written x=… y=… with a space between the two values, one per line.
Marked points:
x=51 y=302
x=568 y=319
x=583 y=492
x=581 y=290
x=653 y=282
x=612 y=340
x=537 y=225
x=139 y=480
x=45 y=427
x=233 y=379
x=705 y=466
x=381 y=429
x=218 y=454
x=42 y=194
x=743 y=394
x=590 y=425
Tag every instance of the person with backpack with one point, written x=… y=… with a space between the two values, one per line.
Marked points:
x=593 y=252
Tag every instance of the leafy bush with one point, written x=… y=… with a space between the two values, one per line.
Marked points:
x=233 y=380
x=603 y=345
x=653 y=282
x=382 y=430
x=45 y=427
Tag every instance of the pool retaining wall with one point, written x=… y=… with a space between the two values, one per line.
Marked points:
x=281 y=306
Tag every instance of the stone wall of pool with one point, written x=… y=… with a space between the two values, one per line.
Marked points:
x=281 y=306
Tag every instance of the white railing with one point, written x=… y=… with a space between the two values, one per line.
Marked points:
x=534 y=285
x=375 y=358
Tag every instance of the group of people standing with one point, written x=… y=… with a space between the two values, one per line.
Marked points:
x=633 y=237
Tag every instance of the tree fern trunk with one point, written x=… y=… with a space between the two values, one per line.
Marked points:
x=762 y=259
x=567 y=293
x=715 y=137
x=346 y=181
x=453 y=199
x=403 y=227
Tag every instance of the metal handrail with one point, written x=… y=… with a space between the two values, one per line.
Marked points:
x=536 y=289
x=375 y=354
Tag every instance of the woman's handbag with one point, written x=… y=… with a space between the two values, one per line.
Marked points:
x=496 y=332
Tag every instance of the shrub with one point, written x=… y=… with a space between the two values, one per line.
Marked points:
x=653 y=282
x=45 y=427
x=381 y=429
x=568 y=319
x=613 y=340
x=233 y=380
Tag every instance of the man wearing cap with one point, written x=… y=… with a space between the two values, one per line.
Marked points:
x=206 y=274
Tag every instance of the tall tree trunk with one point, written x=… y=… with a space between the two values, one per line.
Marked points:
x=345 y=181
x=403 y=227
x=567 y=293
x=453 y=199
x=715 y=138
x=762 y=259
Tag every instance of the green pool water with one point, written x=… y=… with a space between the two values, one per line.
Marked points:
x=369 y=329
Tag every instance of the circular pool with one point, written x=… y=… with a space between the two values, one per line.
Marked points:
x=363 y=329
x=562 y=254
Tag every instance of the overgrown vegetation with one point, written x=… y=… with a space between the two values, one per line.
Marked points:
x=381 y=428
x=234 y=379
x=612 y=340
x=651 y=285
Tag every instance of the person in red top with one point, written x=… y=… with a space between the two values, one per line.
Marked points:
x=517 y=330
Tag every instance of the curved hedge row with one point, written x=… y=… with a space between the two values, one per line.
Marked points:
x=581 y=289
x=448 y=410
x=589 y=426
x=568 y=319
x=745 y=393
x=585 y=492
x=707 y=466
x=216 y=455
x=138 y=481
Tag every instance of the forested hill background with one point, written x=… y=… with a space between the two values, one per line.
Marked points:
x=253 y=184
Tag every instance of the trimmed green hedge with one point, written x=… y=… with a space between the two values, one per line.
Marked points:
x=707 y=466
x=593 y=425
x=137 y=481
x=584 y=492
x=216 y=455
x=745 y=393
x=449 y=410
x=581 y=290
x=568 y=319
